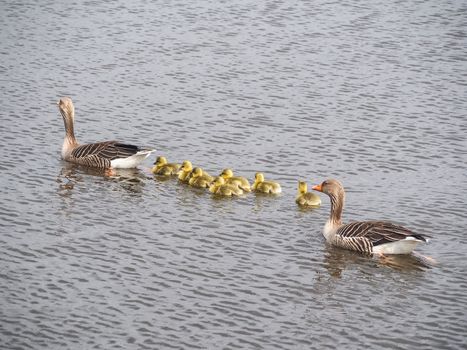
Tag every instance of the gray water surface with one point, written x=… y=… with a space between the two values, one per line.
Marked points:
x=370 y=92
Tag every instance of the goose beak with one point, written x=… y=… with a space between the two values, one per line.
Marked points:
x=317 y=188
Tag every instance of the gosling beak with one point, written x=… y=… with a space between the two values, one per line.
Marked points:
x=317 y=188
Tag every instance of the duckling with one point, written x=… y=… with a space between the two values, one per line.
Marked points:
x=185 y=171
x=260 y=185
x=219 y=187
x=162 y=167
x=239 y=181
x=306 y=199
x=200 y=178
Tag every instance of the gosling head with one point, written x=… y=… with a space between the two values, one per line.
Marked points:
x=197 y=172
x=227 y=173
x=186 y=166
x=302 y=187
x=218 y=181
x=161 y=160
x=259 y=177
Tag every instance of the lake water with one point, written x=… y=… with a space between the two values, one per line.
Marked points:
x=373 y=93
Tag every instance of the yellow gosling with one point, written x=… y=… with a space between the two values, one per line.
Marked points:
x=239 y=181
x=200 y=178
x=162 y=167
x=305 y=198
x=260 y=185
x=219 y=187
x=185 y=171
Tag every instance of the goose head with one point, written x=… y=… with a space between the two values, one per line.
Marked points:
x=66 y=108
x=333 y=188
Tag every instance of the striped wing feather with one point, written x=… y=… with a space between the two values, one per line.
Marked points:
x=102 y=153
x=376 y=232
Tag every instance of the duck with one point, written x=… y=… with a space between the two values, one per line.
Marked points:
x=103 y=155
x=185 y=171
x=220 y=187
x=200 y=178
x=240 y=181
x=369 y=237
x=305 y=198
x=261 y=185
x=162 y=167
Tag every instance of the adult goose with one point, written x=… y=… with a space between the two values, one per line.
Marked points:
x=371 y=237
x=104 y=155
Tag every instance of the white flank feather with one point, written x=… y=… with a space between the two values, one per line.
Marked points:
x=132 y=161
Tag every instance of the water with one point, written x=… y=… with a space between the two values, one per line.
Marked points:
x=372 y=93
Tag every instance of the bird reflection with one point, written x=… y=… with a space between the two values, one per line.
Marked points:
x=336 y=260
x=132 y=180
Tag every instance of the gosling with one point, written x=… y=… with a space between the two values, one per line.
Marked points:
x=162 y=167
x=185 y=171
x=219 y=187
x=239 y=181
x=260 y=185
x=200 y=178
x=305 y=198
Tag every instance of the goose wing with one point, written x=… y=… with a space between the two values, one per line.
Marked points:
x=100 y=154
x=377 y=232
x=109 y=150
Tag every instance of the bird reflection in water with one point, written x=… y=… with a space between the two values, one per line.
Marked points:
x=132 y=180
x=337 y=260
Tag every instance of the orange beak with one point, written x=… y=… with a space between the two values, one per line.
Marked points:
x=317 y=188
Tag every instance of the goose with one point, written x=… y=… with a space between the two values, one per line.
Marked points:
x=200 y=178
x=219 y=187
x=260 y=185
x=162 y=167
x=370 y=237
x=305 y=198
x=185 y=171
x=240 y=181
x=104 y=155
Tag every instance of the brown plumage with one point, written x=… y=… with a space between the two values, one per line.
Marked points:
x=105 y=154
x=367 y=236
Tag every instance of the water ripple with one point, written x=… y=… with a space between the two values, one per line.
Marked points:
x=370 y=93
